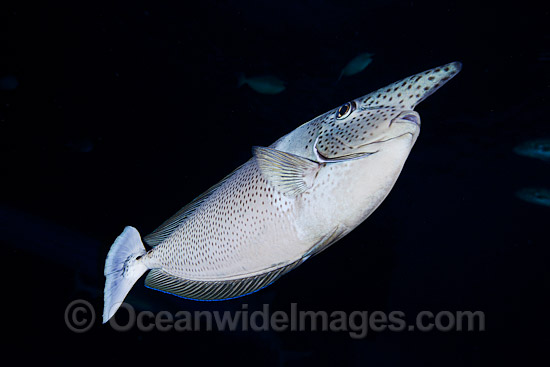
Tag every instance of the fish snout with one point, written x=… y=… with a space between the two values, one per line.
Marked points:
x=407 y=93
x=423 y=85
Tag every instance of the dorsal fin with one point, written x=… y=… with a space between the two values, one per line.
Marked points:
x=169 y=226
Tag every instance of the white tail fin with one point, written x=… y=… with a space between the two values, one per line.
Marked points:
x=122 y=269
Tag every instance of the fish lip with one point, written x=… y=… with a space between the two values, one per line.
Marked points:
x=414 y=118
x=407 y=117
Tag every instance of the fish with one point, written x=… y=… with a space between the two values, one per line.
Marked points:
x=265 y=84
x=289 y=202
x=356 y=65
x=539 y=149
x=534 y=195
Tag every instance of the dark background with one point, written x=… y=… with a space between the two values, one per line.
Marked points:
x=124 y=112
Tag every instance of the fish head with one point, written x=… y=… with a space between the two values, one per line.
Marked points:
x=534 y=195
x=539 y=148
x=357 y=64
x=365 y=125
x=364 y=58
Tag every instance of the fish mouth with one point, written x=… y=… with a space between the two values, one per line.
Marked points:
x=347 y=157
x=385 y=140
x=407 y=117
x=353 y=156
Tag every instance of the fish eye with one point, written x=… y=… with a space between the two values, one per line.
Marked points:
x=345 y=110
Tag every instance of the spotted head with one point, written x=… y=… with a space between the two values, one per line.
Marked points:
x=364 y=125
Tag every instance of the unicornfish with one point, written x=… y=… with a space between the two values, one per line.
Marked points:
x=356 y=65
x=539 y=149
x=265 y=84
x=289 y=202
x=534 y=195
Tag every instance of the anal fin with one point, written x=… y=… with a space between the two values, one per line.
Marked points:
x=216 y=290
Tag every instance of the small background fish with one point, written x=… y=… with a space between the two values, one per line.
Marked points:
x=538 y=149
x=535 y=195
x=451 y=236
x=357 y=64
x=265 y=84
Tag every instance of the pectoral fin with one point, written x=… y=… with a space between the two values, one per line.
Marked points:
x=289 y=173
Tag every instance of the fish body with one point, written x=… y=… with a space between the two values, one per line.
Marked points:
x=535 y=195
x=265 y=84
x=356 y=65
x=289 y=202
x=539 y=149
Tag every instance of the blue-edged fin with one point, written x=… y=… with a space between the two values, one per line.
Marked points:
x=171 y=224
x=217 y=290
x=289 y=173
